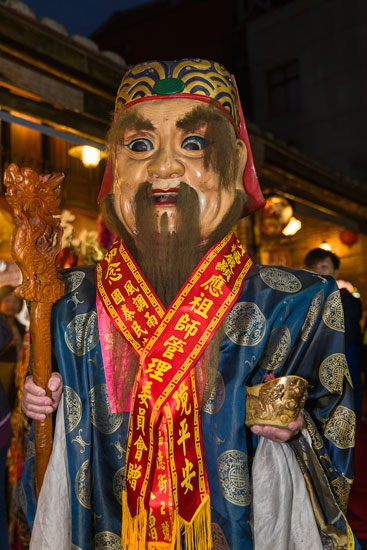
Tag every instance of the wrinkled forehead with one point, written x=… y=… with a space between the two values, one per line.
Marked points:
x=183 y=114
x=196 y=79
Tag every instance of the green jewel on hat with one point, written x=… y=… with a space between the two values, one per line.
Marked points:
x=169 y=86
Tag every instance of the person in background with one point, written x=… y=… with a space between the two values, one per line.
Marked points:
x=10 y=307
x=327 y=263
x=6 y=337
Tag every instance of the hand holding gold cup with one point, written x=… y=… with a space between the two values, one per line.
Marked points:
x=277 y=402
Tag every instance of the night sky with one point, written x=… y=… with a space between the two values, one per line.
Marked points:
x=80 y=16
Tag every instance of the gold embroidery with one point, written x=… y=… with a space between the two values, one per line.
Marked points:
x=340 y=428
x=234 y=477
x=332 y=371
x=333 y=314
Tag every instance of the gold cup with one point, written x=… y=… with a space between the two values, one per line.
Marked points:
x=277 y=402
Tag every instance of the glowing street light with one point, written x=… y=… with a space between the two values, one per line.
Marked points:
x=90 y=156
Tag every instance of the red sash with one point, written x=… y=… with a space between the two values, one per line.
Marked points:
x=166 y=489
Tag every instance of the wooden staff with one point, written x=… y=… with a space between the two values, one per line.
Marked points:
x=35 y=243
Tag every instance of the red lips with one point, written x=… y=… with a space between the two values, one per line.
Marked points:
x=165 y=196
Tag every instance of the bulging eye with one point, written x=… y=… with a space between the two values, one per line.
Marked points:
x=140 y=145
x=194 y=143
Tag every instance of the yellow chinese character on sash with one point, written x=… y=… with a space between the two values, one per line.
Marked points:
x=157 y=368
x=187 y=325
x=127 y=313
x=113 y=272
x=152 y=320
x=138 y=329
x=173 y=344
x=145 y=394
x=153 y=535
x=140 y=420
x=185 y=434
x=139 y=302
x=214 y=285
x=237 y=252
x=129 y=287
x=110 y=255
x=201 y=305
x=231 y=261
x=162 y=482
x=140 y=447
x=225 y=268
x=166 y=531
x=117 y=296
x=133 y=475
x=181 y=398
x=161 y=463
x=187 y=475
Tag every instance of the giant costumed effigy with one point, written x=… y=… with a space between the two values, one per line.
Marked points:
x=157 y=443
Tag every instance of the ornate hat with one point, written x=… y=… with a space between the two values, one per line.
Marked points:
x=198 y=79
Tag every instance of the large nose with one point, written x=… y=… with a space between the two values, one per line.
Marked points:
x=165 y=164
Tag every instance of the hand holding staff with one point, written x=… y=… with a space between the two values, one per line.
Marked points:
x=35 y=243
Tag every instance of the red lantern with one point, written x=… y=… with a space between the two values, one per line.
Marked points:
x=348 y=237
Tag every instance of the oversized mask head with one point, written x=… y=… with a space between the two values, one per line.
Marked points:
x=179 y=130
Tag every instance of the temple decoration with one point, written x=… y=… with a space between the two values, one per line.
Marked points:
x=275 y=216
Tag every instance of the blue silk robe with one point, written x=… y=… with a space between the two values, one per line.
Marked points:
x=284 y=322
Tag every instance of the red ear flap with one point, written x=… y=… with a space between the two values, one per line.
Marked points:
x=255 y=199
x=107 y=181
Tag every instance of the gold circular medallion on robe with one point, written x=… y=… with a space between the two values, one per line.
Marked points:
x=245 y=324
x=73 y=280
x=100 y=412
x=332 y=371
x=216 y=398
x=219 y=540
x=83 y=484
x=312 y=315
x=106 y=540
x=234 y=477
x=333 y=314
x=277 y=348
x=119 y=483
x=73 y=409
x=340 y=428
x=81 y=334
x=277 y=279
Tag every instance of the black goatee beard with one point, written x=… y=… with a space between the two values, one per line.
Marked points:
x=167 y=259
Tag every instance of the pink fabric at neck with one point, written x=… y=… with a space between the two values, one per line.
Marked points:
x=116 y=360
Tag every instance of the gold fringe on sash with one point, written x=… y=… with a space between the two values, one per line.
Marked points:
x=197 y=533
x=133 y=530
